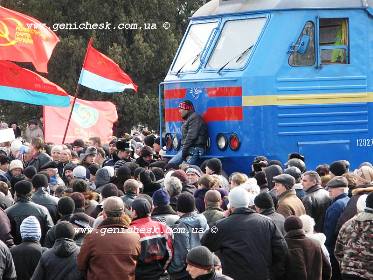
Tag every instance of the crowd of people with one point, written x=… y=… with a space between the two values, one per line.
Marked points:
x=121 y=210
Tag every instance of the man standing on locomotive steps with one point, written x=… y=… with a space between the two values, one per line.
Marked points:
x=194 y=135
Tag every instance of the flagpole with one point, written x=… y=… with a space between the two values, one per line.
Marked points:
x=75 y=96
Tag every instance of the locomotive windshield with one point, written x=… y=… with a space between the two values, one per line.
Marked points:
x=236 y=43
x=194 y=43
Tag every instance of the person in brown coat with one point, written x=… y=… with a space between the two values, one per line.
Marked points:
x=111 y=251
x=305 y=258
x=288 y=202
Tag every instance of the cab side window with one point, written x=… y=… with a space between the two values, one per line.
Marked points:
x=333 y=41
x=303 y=52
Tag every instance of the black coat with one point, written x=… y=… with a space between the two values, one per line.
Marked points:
x=248 y=244
x=7 y=269
x=26 y=257
x=316 y=201
x=5 y=229
x=277 y=218
x=305 y=258
x=21 y=210
x=59 y=263
x=50 y=202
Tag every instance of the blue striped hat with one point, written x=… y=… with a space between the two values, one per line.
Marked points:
x=30 y=229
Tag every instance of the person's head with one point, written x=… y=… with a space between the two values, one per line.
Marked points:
x=322 y=169
x=146 y=153
x=80 y=172
x=214 y=166
x=113 y=207
x=4 y=163
x=30 y=229
x=64 y=229
x=112 y=146
x=89 y=155
x=200 y=261
x=101 y=156
x=293 y=223
x=123 y=149
x=185 y=203
x=109 y=190
x=66 y=206
x=212 y=198
x=263 y=201
x=37 y=144
x=29 y=172
x=65 y=155
x=51 y=168
x=141 y=208
x=308 y=224
x=4 y=188
x=237 y=179
x=157 y=145
x=79 y=185
x=173 y=186
x=297 y=163
x=78 y=145
x=185 y=107
x=56 y=152
x=310 y=179
x=39 y=181
x=206 y=182
x=337 y=186
x=131 y=186
x=102 y=177
x=193 y=173
x=16 y=167
x=338 y=168
x=239 y=198
x=32 y=124
x=79 y=200
x=283 y=183
x=23 y=188
x=161 y=198
x=95 y=142
x=295 y=172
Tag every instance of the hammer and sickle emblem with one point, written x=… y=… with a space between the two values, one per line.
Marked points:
x=4 y=33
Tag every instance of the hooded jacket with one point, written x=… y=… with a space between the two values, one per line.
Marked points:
x=59 y=263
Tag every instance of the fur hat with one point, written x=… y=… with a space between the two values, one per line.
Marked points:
x=293 y=223
x=338 y=168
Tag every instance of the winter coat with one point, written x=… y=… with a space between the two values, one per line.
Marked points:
x=110 y=250
x=333 y=213
x=39 y=160
x=5 y=202
x=26 y=257
x=156 y=248
x=354 y=246
x=305 y=258
x=50 y=202
x=128 y=198
x=7 y=269
x=320 y=238
x=213 y=214
x=289 y=204
x=351 y=209
x=249 y=244
x=316 y=201
x=5 y=229
x=21 y=210
x=213 y=276
x=165 y=214
x=59 y=263
x=188 y=231
x=194 y=133
x=277 y=218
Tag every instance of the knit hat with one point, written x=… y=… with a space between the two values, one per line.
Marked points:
x=215 y=165
x=287 y=180
x=264 y=201
x=40 y=181
x=369 y=201
x=23 y=187
x=16 y=163
x=102 y=177
x=66 y=205
x=238 y=198
x=195 y=170
x=293 y=223
x=80 y=172
x=200 y=257
x=109 y=190
x=142 y=207
x=338 y=168
x=64 y=230
x=186 y=105
x=30 y=229
x=79 y=199
x=161 y=198
x=90 y=151
x=30 y=171
x=185 y=203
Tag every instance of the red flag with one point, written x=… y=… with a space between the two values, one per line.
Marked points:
x=103 y=74
x=89 y=119
x=25 y=39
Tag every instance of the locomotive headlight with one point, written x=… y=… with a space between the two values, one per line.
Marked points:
x=222 y=141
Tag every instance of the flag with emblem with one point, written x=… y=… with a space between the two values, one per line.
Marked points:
x=25 y=39
x=103 y=74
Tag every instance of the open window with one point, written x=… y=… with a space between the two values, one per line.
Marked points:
x=334 y=41
x=302 y=53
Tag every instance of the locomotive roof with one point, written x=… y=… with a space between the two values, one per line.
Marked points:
x=218 y=7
